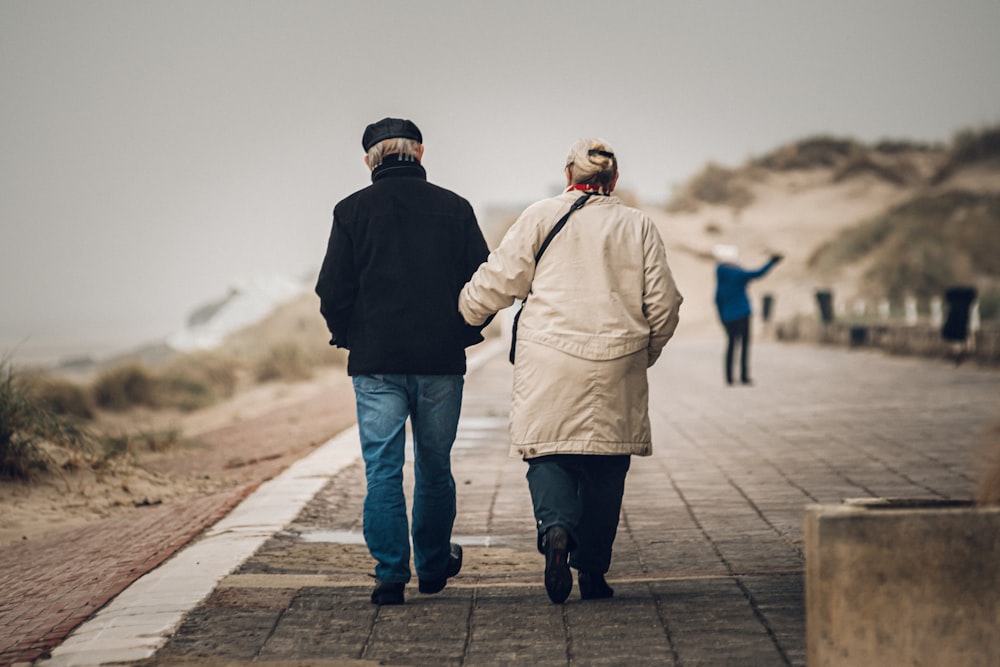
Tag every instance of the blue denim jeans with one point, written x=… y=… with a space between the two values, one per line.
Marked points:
x=432 y=403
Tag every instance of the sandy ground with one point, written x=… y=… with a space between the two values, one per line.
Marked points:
x=246 y=440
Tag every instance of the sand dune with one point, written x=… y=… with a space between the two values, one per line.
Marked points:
x=792 y=213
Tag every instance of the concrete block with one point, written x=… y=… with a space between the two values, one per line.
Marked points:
x=902 y=582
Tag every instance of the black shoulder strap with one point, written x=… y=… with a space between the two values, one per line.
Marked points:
x=545 y=244
x=578 y=204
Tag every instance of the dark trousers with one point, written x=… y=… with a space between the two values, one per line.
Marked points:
x=738 y=331
x=583 y=494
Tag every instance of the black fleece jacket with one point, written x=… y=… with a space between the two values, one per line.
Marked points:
x=399 y=253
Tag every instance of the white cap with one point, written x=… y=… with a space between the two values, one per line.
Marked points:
x=725 y=253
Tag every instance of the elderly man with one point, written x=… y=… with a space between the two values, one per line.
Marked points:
x=399 y=253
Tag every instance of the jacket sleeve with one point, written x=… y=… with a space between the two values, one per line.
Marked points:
x=661 y=299
x=505 y=276
x=476 y=254
x=758 y=273
x=337 y=286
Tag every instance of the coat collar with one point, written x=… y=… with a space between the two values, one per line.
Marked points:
x=571 y=196
x=395 y=166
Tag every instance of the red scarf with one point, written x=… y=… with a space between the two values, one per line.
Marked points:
x=586 y=187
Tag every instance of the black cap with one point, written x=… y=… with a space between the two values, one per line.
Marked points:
x=390 y=128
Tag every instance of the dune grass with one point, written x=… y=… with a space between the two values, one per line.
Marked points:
x=123 y=444
x=970 y=145
x=714 y=184
x=197 y=380
x=284 y=361
x=922 y=246
x=26 y=424
x=122 y=387
x=42 y=414
x=810 y=153
x=58 y=395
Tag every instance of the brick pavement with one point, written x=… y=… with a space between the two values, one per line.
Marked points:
x=50 y=585
x=708 y=567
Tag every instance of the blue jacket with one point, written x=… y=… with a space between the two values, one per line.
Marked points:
x=731 y=289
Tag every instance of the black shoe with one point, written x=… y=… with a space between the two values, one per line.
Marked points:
x=593 y=586
x=558 y=578
x=431 y=586
x=387 y=593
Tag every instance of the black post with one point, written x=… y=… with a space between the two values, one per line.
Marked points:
x=825 y=300
x=956 y=324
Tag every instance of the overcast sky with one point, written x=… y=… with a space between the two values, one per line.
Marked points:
x=154 y=152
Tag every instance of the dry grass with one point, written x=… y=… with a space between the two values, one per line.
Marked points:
x=297 y=323
x=42 y=421
x=120 y=445
x=922 y=246
x=896 y=170
x=969 y=147
x=810 y=153
x=122 y=387
x=713 y=185
x=286 y=346
x=896 y=146
x=900 y=163
x=198 y=380
x=976 y=145
x=284 y=361
x=58 y=395
x=27 y=425
x=41 y=415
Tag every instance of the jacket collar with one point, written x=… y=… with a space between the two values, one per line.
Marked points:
x=596 y=198
x=396 y=166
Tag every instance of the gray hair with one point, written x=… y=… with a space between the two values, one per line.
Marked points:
x=592 y=161
x=408 y=148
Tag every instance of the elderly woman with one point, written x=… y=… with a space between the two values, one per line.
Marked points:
x=598 y=308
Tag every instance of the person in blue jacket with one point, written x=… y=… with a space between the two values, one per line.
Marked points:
x=734 y=306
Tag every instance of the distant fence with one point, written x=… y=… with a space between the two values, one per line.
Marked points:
x=956 y=332
x=924 y=339
x=982 y=346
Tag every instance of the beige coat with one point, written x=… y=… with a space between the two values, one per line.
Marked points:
x=602 y=305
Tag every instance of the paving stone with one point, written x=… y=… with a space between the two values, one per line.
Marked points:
x=48 y=586
x=224 y=633
x=708 y=566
